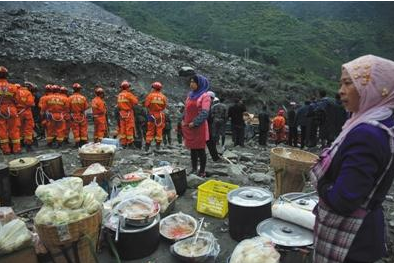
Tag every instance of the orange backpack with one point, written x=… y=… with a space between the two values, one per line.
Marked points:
x=278 y=123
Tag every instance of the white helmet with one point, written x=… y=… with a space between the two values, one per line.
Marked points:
x=211 y=94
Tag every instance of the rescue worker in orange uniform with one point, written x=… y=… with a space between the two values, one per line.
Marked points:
x=67 y=117
x=155 y=102
x=126 y=102
x=44 y=121
x=79 y=124
x=53 y=109
x=24 y=104
x=9 y=120
x=99 y=109
x=279 y=126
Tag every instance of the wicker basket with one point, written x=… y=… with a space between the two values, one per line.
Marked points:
x=100 y=177
x=105 y=159
x=55 y=238
x=291 y=166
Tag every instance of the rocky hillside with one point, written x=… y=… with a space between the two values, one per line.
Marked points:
x=306 y=41
x=77 y=9
x=49 y=47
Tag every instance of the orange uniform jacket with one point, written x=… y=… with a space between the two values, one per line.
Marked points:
x=126 y=102
x=54 y=106
x=79 y=125
x=100 y=120
x=9 y=120
x=25 y=101
x=155 y=102
x=41 y=102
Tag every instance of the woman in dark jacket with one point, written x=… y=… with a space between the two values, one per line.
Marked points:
x=354 y=175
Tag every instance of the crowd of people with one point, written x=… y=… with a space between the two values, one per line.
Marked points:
x=28 y=116
x=318 y=121
x=25 y=116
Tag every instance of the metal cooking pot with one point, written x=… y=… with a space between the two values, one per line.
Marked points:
x=294 y=243
x=136 y=242
x=248 y=206
x=52 y=164
x=23 y=176
x=5 y=185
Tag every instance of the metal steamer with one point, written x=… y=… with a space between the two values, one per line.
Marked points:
x=51 y=167
x=5 y=185
x=248 y=206
x=23 y=172
x=135 y=242
x=292 y=241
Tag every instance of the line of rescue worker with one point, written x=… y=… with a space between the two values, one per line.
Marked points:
x=23 y=113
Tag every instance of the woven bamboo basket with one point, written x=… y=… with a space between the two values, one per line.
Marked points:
x=100 y=177
x=105 y=159
x=55 y=238
x=291 y=166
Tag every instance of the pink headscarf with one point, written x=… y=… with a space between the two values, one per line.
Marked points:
x=373 y=78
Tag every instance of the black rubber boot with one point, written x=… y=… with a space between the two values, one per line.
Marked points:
x=147 y=146
x=131 y=146
x=157 y=146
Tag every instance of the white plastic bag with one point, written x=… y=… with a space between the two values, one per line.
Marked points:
x=255 y=250
x=97 y=191
x=97 y=148
x=148 y=188
x=95 y=168
x=61 y=193
x=199 y=250
x=14 y=235
x=6 y=215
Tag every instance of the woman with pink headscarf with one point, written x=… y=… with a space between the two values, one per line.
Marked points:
x=354 y=175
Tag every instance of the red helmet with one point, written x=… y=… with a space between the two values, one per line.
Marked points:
x=3 y=69
x=157 y=85
x=77 y=86
x=125 y=85
x=48 y=87
x=281 y=112
x=99 y=91
x=63 y=89
x=55 y=88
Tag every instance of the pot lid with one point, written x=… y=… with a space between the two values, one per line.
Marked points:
x=113 y=222
x=250 y=196
x=3 y=166
x=22 y=163
x=135 y=229
x=301 y=200
x=284 y=233
x=48 y=156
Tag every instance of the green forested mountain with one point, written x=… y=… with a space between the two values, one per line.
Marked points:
x=306 y=41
